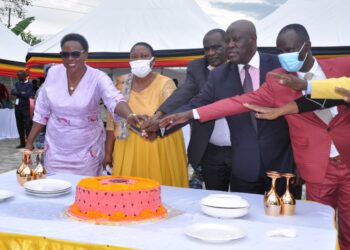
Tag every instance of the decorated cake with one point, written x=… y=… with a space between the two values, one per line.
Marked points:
x=116 y=199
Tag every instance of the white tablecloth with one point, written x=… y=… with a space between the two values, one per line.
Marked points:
x=8 y=127
x=45 y=217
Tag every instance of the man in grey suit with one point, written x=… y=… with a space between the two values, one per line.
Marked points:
x=196 y=77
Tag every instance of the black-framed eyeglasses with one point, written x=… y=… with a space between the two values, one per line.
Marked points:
x=73 y=54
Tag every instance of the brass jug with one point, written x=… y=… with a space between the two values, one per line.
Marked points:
x=39 y=172
x=272 y=200
x=24 y=172
x=287 y=199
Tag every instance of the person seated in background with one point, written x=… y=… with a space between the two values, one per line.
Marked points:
x=4 y=97
x=160 y=159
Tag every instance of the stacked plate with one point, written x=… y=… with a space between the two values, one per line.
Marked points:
x=47 y=187
x=224 y=206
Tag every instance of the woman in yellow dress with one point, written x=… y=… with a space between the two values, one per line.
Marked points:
x=162 y=159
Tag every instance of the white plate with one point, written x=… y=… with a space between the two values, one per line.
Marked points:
x=47 y=186
x=4 y=194
x=55 y=192
x=43 y=195
x=224 y=201
x=214 y=233
x=223 y=212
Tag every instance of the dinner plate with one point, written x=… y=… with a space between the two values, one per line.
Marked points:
x=40 y=192
x=5 y=194
x=224 y=201
x=47 y=186
x=214 y=233
x=48 y=195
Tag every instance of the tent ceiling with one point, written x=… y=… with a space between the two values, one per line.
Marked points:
x=326 y=21
x=12 y=46
x=116 y=25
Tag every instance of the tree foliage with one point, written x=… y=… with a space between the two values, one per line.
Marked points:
x=22 y=25
x=29 y=38
x=15 y=7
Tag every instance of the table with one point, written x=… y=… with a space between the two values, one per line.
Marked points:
x=8 y=126
x=29 y=215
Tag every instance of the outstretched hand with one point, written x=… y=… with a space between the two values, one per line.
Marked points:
x=264 y=112
x=175 y=119
x=152 y=124
x=344 y=92
x=290 y=80
x=136 y=120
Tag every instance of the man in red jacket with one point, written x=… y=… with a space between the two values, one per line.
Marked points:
x=320 y=139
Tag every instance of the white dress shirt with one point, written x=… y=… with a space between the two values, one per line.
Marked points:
x=221 y=133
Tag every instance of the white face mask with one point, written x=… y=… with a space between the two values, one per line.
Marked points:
x=141 y=68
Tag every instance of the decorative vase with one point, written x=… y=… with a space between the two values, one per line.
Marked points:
x=39 y=172
x=24 y=172
x=287 y=199
x=272 y=200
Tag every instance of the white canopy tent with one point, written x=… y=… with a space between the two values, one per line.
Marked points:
x=13 y=52
x=175 y=29
x=326 y=21
x=116 y=25
x=12 y=46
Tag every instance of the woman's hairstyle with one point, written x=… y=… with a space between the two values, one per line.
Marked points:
x=145 y=45
x=75 y=37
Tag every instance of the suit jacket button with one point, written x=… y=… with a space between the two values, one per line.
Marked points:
x=328 y=129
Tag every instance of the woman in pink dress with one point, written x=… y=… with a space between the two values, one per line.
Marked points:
x=68 y=104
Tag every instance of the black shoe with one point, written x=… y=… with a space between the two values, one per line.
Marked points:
x=20 y=146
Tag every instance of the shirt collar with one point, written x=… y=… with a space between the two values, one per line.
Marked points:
x=254 y=62
x=313 y=70
x=210 y=68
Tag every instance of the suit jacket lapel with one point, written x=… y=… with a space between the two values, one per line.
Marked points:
x=236 y=79
x=263 y=68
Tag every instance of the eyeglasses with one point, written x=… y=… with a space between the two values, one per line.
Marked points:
x=73 y=54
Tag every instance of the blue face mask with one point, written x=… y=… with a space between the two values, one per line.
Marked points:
x=290 y=61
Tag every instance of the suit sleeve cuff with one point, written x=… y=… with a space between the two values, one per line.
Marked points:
x=309 y=87
x=195 y=114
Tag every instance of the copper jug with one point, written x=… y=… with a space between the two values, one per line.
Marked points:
x=39 y=172
x=287 y=199
x=24 y=172
x=272 y=202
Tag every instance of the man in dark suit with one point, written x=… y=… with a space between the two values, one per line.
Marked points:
x=257 y=146
x=23 y=90
x=197 y=74
x=320 y=139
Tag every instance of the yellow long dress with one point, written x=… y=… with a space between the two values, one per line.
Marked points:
x=163 y=159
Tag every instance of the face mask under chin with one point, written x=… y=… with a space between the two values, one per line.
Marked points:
x=141 y=68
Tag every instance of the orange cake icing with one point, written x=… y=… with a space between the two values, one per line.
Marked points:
x=116 y=198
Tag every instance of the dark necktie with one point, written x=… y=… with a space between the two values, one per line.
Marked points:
x=248 y=87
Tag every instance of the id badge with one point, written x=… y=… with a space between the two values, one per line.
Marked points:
x=17 y=101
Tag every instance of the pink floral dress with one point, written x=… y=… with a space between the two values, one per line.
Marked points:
x=74 y=139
